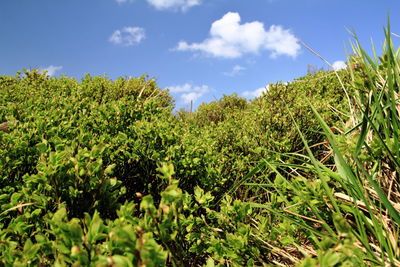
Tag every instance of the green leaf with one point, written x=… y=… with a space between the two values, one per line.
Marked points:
x=210 y=262
x=75 y=230
x=121 y=261
x=110 y=169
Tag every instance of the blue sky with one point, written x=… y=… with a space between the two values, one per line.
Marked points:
x=200 y=49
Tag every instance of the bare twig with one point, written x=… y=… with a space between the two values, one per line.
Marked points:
x=18 y=207
x=299 y=215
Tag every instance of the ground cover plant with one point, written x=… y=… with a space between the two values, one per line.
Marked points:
x=104 y=173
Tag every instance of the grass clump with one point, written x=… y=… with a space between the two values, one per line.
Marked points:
x=355 y=201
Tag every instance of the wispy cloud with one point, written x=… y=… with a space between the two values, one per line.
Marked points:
x=128 y=36
x=182 y=5
x=231 y=39
x=188 y=92
x=236 y=70
x=256 y=93
x=338 y=65
x=124 y=1
x=51 y=70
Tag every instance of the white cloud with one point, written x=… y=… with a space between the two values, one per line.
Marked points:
x=230 y=39
x=128 y=36
x=182 y=5
x=124 y=1
x=51 y=70
x=281 y=42
x=338 y=65
x=189 y=92
x=237 y=69
x=256 y=93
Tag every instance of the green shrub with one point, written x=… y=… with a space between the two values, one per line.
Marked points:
x=246 y=184
x=217 y=111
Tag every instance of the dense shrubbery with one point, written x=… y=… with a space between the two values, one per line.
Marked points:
x=102 y=173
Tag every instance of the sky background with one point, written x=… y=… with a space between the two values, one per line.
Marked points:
x=199 y=49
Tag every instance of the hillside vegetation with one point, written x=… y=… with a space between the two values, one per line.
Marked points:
x=99 y=172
